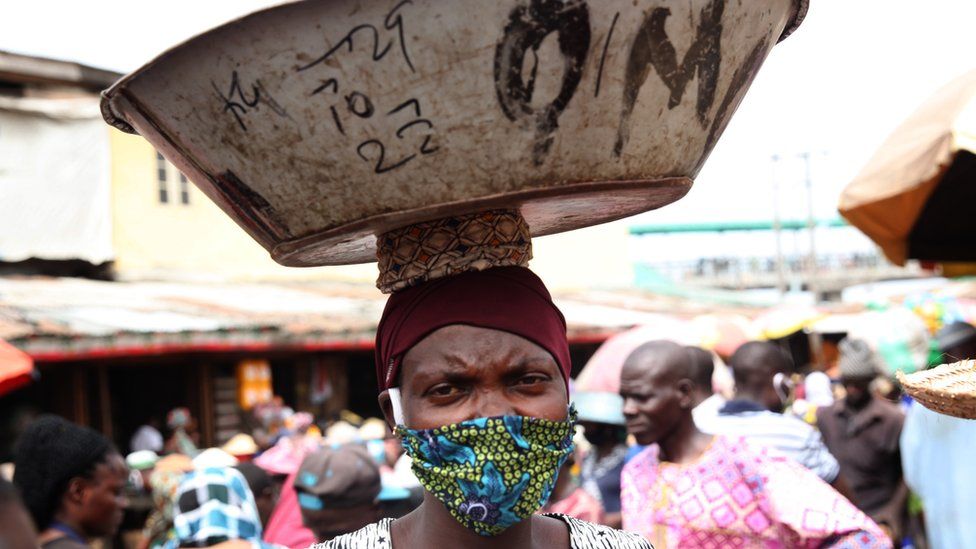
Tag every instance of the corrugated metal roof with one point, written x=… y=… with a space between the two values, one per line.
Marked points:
x=65 y=318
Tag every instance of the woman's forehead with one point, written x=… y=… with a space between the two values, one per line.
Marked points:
x=461 y=347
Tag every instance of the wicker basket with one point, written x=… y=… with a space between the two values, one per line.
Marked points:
x=949 y=389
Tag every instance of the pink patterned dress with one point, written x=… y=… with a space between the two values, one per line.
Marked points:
x=737 y=496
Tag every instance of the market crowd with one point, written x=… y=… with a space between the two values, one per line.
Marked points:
x=779 y=459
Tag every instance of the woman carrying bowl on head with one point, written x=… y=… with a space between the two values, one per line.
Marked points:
x=473 y=372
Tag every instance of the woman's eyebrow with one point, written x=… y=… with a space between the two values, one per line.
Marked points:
x=531 y=365
x=451 y=371
x=460 y=378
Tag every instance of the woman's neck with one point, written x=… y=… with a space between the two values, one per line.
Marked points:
x=431 y=525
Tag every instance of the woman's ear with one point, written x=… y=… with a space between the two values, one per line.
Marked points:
x=386 y=405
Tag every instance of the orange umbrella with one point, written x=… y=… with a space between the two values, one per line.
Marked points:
x=16 y=368
x=914 y=196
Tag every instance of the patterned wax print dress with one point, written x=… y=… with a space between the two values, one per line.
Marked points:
x=735 y=495
x=582 y=535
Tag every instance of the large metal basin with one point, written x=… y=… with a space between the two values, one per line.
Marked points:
x=317 y=125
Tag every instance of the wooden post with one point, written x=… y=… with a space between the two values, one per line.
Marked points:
x=79 y=382
x=105 y=402
x=207 y=408
x=340 y=384
x=303 y=374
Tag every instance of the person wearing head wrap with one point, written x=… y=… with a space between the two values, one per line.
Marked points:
x=163 y=482
x=473 y=371
x=72 y=481
x=180 y=422
x=862 y=432
x=213 y=507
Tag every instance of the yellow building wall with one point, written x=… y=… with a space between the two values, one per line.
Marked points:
x=197 y=241
x=194 y=241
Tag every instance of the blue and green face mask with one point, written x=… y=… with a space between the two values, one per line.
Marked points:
x=490 y=473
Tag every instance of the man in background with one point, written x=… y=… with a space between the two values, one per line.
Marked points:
x=862 y=432
x=707 y=402
x=691 y=489
x=761 y=371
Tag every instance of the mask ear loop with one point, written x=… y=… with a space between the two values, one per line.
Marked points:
x=783 y=386
x=395 y=403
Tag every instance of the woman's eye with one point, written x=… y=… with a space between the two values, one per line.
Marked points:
x=443 y=390
x=531 y=380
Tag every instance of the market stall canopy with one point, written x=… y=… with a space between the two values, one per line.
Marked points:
x=914 y=198
x=16 y=368
x=318 y=126
x=784 y=320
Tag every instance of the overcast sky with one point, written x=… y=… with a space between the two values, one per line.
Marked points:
x=836 y=88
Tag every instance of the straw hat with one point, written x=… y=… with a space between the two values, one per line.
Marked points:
x=341 y=432
x=949 y=389
x=214 y=457
x=240 y=445
x=175 y=463
x=373 y=429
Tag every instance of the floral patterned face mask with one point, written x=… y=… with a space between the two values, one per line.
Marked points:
x=491 y=473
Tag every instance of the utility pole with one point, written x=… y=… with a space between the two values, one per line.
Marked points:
x=811 y=228
x=778 y=232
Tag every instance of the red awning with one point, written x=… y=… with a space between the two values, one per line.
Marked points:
x=16 y=368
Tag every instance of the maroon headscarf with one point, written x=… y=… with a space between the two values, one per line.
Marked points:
x=511 y=299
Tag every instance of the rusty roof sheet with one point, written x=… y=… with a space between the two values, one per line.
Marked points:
x=70 y=317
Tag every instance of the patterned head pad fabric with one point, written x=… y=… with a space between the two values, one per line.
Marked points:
x=213 y=506
x=446 y=247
